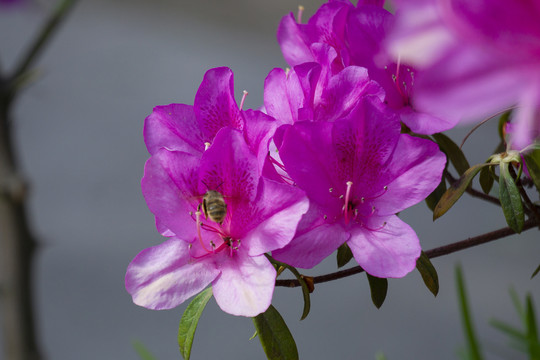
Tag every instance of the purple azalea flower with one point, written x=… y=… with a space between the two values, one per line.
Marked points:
x=260 y=216
x=358 y=172
x=310 y=91
x=191 y=129
x=357 y=35
x=477 y=57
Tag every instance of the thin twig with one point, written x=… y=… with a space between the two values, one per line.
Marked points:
x=483 y=122
x=433 y=253
x=45 y=34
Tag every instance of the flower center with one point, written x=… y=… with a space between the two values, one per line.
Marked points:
x=210 y=247
x=354 y=208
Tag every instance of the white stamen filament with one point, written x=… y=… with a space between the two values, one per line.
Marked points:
x=347 y=196
x=243 y=99
x=198 y=218
x=300 y=12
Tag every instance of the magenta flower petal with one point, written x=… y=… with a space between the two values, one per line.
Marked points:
x=214 y=105
x=229 y=167
x=258 y=131
x=527 y=117
x=389 y=250
x=246 y=284
x=478 y=82
x=304 y=145
x=414 y=172
x=173 y=127
x=315 y=241
x=424 y=123
x=283 y=96
x=276 y=224
x=337 y=96
x=291 y=39
x=169 y=184
x=164 y=276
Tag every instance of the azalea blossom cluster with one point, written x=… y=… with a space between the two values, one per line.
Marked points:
x=325 y=162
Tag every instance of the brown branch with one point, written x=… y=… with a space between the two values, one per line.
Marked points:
x=17 y=248
x=433 y=253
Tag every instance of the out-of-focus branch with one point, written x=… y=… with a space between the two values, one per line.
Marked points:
x=48 y=29
x=433 y=253
x=17 y=247
x=17 y=244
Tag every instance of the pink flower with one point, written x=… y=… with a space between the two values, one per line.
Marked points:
x=260 y=216
x=477 y=57
x=310 y=91
x=357 y=36
x=358 y=172
x=191 y=129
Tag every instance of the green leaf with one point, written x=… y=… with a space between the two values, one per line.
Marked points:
x=379 y=288
x=517 y=303
x=254 y=335
x=532 y=160
x=532 y=331
x=509 y=330
x=435 y=196
x=189 y=321
x=535 y=271
x=486 y=179
x=344 y=255
x=453 y=152
x=455 y=191
x=510 y=199
x=428 y=272
x=473 y=349
x=142 y=351
x=305 y=287
x=275 y=337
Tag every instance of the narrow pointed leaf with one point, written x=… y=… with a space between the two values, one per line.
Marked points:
x=455 y=191
x=254 y=335
x=275 y=337
x=142 y=351
x=435 y=196
x=517 y=304
x=535 y=272
x=344 y=255
x=532 y=330
x=510 y=199
x=532 y=160
x=428 y=272
x=379 y=289
x=453 y=152
x=189 y=321
x=509 y=330
x=486 y=179
x=473 y=349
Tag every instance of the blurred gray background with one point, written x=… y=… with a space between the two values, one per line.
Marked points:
x=79 y=137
